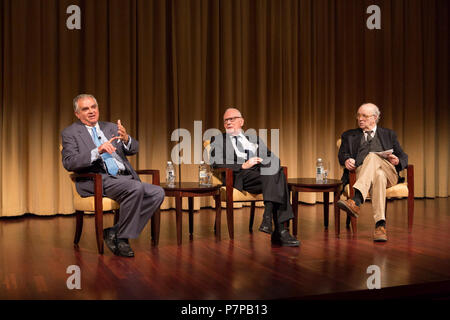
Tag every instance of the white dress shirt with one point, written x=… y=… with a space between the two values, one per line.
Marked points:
x=247 y=145
x=373 y=132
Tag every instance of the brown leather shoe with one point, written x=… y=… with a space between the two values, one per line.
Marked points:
x=350 y=207
x=379 y=235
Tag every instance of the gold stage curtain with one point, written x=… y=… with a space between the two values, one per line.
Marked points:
x=302 y=67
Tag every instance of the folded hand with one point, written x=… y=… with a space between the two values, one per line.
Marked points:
x=107 y=146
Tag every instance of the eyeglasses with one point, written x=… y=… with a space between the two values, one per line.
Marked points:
x=233 y=119
x=364 y=116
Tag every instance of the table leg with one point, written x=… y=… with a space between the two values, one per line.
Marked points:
x=156 y=226
x=218 y=215
x=337 y=215
x=326 y=202
x=295 y=209
x=178 y=218
x=191 y=215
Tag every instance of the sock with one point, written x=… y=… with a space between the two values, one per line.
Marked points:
x=268 y=209
x=280 y=227
x=358 y=198
x=380 y=223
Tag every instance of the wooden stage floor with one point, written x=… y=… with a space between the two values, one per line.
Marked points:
x=36 y=251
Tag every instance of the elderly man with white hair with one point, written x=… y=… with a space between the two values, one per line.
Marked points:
x=377 y=157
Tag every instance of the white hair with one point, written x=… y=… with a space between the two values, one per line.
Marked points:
x=232 y=108
x=375 y=110
x=82 y=96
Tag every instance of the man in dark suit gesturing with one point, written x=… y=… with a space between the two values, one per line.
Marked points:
x=256 y=170
x=90 y=146
x=377 y=157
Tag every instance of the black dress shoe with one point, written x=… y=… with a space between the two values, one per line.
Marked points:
x=124 y=249
x=109 y=236
x=266 y=227
x=284 y=239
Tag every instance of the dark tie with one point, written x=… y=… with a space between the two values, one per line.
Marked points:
x=239 y=145
x=369 y=135
x=111 y=165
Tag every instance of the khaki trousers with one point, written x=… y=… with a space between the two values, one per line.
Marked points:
x=374 y=176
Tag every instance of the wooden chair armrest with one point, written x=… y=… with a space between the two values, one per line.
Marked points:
x=74 y=176
x=285 y=169
x=153 y=172
x=97 y=177
x=98 y=187
x=228 y=176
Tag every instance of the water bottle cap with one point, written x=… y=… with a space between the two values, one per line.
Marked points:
x=169 y=162
x=319 y=159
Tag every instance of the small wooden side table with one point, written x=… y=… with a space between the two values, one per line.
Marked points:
x=191 y=190
x=297 y=185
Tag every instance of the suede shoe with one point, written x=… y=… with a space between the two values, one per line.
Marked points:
x=284 y=239
x=124 y=249
x=379 y=235
x=110 y=239
x=350 y=207
x=266 y=225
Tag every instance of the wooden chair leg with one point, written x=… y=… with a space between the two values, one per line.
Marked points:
x=354 y=225
x=79 y=226
x=155 y=227
x=410 y=178
x=295 y=211
x=116 y=216
x=337 y=213
x=217 y=225
x=252 y=216
x=179 y=221
x=191 y=215
x=337 y=221
x=99 y=230
x=326 y=208
x=385 y=209
x=347 y=222
x=230 y=218
x=410 y=213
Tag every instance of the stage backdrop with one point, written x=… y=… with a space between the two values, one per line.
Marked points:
x=302 y=67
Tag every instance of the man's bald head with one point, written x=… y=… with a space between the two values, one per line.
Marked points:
x=233 y=121
x=368 y=116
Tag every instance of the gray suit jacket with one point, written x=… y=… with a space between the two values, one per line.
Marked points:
x=76 y=154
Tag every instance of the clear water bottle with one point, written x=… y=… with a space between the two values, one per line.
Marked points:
x=170 y=174
x=203 y=174
x=319 y=170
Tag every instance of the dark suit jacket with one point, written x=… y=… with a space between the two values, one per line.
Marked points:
x=351 y=140
x=76 y=153
x=223 y=155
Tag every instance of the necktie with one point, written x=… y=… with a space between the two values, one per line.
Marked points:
x=239 y=146
x=369 y=135
x=111 y=165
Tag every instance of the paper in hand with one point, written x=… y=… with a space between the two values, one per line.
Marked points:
x=384 y=154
